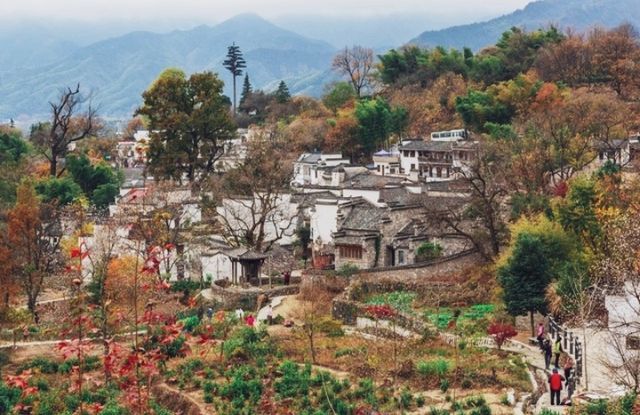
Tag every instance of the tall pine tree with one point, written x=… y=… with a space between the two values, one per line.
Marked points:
x=235 y=63
x=247 y=89
x=282 y=94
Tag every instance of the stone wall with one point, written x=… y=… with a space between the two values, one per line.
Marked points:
x=281 y=259
x=436 y=284
x=245 y=298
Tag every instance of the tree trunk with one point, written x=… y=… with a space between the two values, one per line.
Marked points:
x=313 y=349
x=53 y=166
x=234 y=95
x=533 y=331
x=584 y=357
x=32 y=306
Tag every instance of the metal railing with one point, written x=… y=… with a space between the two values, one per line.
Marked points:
x=571 y=344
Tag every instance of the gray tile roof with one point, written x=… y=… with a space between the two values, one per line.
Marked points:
x=311 y=158
x=370 y=180
x=364 y=217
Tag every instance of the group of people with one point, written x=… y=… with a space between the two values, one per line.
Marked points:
x=554 y=351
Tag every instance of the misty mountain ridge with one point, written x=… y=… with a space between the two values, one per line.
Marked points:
x=575 y=14
x=36 y=66
x=118 y=70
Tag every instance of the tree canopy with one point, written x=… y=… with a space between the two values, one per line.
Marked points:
x=190 y=122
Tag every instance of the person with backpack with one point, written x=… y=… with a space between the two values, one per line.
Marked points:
x=557 y=351
x=546 y=350
x=555 y=386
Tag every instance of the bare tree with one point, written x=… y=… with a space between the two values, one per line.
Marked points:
x=68 y=124
x=356 y=64
x=314 y=307
x=252 y=199
x=477 y=216
x=582 y=296
x=618 y=272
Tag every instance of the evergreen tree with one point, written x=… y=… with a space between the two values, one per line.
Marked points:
x=235 y=63
x=246 y=89
x=282 y=94
x=540 y=252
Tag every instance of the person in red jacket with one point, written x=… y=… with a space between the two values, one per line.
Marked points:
x=555 y=386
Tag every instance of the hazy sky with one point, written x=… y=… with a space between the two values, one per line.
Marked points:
x=217 y=10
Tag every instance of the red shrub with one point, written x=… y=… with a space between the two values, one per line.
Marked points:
x=501 y=332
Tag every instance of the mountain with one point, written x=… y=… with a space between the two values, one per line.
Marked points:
x=118 y=70
x=377 y=32
x=577 y=14
x=27 y=48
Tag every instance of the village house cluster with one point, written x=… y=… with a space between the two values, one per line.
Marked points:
x=368 y=217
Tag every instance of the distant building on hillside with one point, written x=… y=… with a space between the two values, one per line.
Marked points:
x=309 y=167
x=440 y=159
x=387 y=162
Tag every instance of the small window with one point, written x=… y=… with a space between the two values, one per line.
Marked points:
x=633 y=342
x=400 y=257
x=413 y=167
x=351 y=251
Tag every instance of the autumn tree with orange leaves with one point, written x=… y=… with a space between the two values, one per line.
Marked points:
x=33 y=237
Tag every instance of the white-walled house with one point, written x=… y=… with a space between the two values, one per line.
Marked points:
x=439 y=159
x=309 y=167
x=387 y=162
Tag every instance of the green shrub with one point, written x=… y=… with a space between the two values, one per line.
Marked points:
x=209 y=387
x=399 y=300
x=89 y=363
x=474 y=401
x=51 y=403
x=8 y=398
x=331 y=327
x=113 y=408
x=43 y=364
x=432 y=368
x=483 y=410
x=436 y=411
x=428 y=251
x=444 y=385
x=40 y=383
x=190 y=323
x=244 y=385
x=347 y=271
x=420 y=401
x=405 y=398
x=185 y=285
x=547 y=411
x=294 y=381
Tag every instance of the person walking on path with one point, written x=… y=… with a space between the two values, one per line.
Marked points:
x=555 y=386
x=540 y=334
x=239 y=313
x=287 y=277
x=546 y=349
x=270 y=315
x=571 y=387
x=557 y=351
x=568 y=367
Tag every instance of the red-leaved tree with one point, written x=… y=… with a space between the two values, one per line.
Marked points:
x=501 y=332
